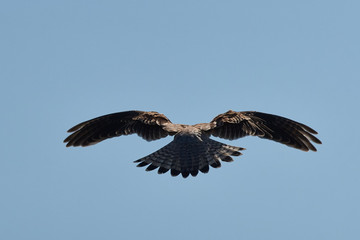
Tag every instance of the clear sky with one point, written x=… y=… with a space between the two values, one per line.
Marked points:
x=63 y=62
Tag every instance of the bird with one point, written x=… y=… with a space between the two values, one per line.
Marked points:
x=192 y=150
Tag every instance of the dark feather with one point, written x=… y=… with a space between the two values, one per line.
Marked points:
x=232 y=125
x=174 y=172
x=142 y=164
x=216 y=164
x=151 y=167
x=204 y=169
x=148 y=125
x=162 y=170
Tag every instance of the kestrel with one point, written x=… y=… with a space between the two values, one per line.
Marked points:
x=192 y=150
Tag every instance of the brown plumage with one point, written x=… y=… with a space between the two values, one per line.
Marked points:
x=192 y=150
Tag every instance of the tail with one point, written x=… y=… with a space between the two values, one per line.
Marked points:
x=189 y=155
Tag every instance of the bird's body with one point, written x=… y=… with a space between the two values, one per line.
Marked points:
x=192 y=150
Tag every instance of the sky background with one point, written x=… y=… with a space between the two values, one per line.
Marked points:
x=64 y=62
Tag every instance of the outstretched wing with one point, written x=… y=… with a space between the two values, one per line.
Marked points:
x=232 y=125
x=148 y=125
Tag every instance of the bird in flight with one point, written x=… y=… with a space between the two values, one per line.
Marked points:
x=192 y=150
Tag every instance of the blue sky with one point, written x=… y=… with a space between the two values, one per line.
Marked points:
x=63 y=62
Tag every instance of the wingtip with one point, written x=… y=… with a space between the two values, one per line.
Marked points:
x=73 y=129
x=67 y=142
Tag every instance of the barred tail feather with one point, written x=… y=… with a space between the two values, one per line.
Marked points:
x=187 y=155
